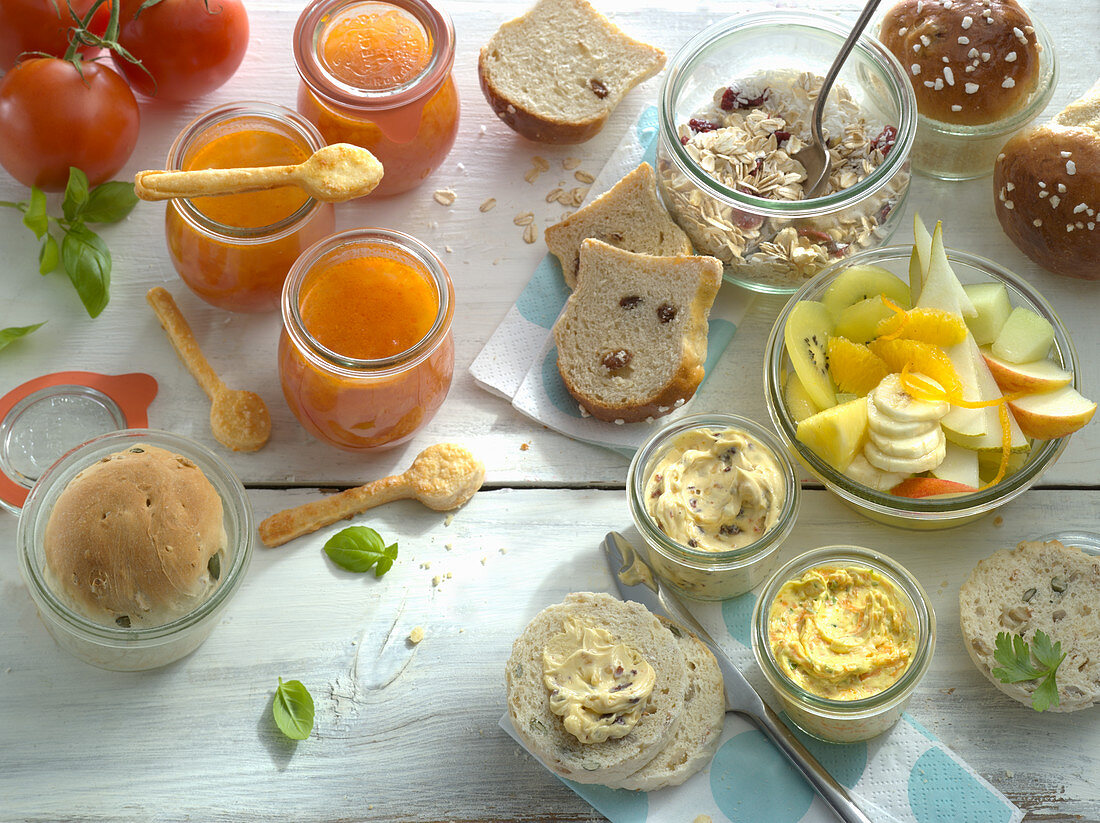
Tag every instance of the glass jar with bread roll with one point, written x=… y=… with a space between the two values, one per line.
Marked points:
x=132 y=545
x=234 y=251
x=366 y=355
x=377 y=73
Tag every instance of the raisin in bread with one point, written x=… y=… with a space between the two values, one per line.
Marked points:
x=543 y=732
x=627 y=215
x=632 y=338
x=555 y=73
x=1037 y=586
x=696 y=739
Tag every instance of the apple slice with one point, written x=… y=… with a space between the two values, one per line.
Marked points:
x=993 y=307
x=1052 y=414
x=959 y=465
x=929 y=487
x=836 y=434
x=1024 y=337
x=1030 y=378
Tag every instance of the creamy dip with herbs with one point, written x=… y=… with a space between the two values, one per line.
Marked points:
x=715 y=490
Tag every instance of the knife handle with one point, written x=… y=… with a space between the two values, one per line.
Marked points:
x=831 y=792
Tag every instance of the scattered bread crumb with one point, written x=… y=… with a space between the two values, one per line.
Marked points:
x=524 y=446
x=427 y=564
x=482 y=131
x=448 y=249
x=448 y=546
x=444 y=197
x=488 y=205
x=416 y=635
x=570 y=163
x=703 y=818
x=503 y=551
x=448 y=575
x=449 y=519
x=584 y=177
x=483 y=560
x=998 y=520
x=437 y=580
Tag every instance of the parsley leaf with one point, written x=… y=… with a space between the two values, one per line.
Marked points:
x=1015 y=656
x=293 y=709
x=358 y=548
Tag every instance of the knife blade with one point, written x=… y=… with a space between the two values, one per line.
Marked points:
x=636 y=581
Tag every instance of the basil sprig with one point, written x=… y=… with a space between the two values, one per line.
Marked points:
x=293 y=709
x=81 y=252
x=13 y=333
x=357 y=548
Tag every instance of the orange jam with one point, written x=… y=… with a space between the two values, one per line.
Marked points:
x=235 y=251
x=378 y=74
x=366 y=355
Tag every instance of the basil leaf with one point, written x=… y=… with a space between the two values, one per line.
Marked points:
x=293 y=709
x=15 y=332
x=48 y=255
x=109 y=202
x=76 y=193
x=35 y=217
x=358 y=548
x=88 y=264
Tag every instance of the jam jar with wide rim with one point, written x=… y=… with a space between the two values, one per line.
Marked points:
x=378 y=74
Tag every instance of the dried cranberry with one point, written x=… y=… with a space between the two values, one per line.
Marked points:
x=757 y=168
x=697 y=125
x=884 y=212
x=820 y=237
x=781 y=136
x=684 y=140
x=734 y=99
x=885 y=141
x=745 y=220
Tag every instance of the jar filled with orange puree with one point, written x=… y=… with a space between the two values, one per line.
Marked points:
x=378 y=74
x=366 y=354
x=234 y=251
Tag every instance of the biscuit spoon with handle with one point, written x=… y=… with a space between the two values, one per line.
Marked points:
x=239 y=420
x=331 y=174
x=814 y=157
x=442 y=477
x=636 y=581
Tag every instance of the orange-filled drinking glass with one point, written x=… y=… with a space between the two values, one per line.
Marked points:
x=366 y=354
x=234 y=251
x=377 y=73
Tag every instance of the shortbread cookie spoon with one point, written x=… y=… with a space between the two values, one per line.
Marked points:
x=239 y=419
x=442 y=477
x=332 y=174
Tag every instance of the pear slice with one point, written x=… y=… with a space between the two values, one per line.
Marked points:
x=981 y=428
x=922 y=247
x=942 y=289
x=837 y=434
x=959 y=465
x=916 y=274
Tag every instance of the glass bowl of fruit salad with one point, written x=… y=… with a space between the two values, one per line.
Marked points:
x=925 y=387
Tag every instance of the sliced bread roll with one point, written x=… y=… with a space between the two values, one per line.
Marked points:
x=632 y=338
x=543 y=731
x=696 y=739
x=628 y=215
x=556 y=73
x=1037 y=586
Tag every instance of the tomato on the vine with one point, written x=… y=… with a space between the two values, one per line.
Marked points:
x=190 y=47
x=54 y=115
x=43 y=25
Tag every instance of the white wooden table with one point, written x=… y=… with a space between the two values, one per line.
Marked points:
x=409 y=733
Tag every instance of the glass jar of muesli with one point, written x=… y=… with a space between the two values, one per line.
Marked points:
x=735 y=108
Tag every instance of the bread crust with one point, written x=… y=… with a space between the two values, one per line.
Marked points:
x=924 y=32
x=1039 y=203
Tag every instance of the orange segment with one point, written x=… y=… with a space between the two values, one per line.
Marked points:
x=920 y=357
x=935 y=326
x=854 y=367
x=376 y=46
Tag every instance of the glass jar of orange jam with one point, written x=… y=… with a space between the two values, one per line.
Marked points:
x=366 y=354
x=234 y=251
x=378 y=74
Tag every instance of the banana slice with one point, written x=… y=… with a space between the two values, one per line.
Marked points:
x=894 y=401
x=888 y=463
x=863 y=472
x=890 y=427
x=909 y=447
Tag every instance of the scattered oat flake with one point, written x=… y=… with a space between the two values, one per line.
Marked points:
x=444 y=197
x=488 y=205
x=553 y=195
x=570 y=163
x=540 y=163
x=448 y=520
x=584 y=177
x=524 y=218
x=416 y=635
x=530 y=234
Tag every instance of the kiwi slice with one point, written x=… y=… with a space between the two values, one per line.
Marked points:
x=859 y=322
x=806 y=336
x=858 y=283
x=798 y=400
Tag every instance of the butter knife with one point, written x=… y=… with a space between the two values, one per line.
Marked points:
x=636 y=581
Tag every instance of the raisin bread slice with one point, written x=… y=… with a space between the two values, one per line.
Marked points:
x=627 y=215
x=632 y=338
x=543 y=732
x=1037 y=586
x=555 y=73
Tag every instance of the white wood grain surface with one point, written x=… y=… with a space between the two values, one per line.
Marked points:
x=410 y=733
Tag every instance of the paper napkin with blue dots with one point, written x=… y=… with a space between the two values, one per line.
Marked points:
x=904 y=776
x=520 y=360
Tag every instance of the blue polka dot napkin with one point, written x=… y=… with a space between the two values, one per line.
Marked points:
x=904 y=776
x=520 y=360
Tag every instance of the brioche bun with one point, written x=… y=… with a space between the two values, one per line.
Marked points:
x=130 y=538
x=971 y=62
x=1046 y=185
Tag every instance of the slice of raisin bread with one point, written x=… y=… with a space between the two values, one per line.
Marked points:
x=555 y=73
x=543 y=732
x=696 y=739
x=632 y=338
x=1037 y=586
x=627 y=215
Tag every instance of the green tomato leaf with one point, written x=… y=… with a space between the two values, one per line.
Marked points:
x=13 y=333
x=88 y=264
x=293 y=709
x=358 y=548
x=49 y=255
x=76 y=194
x=109 y=202
x=35 y=217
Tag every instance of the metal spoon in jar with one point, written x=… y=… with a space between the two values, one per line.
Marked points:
x=331 y=174
x=814 y=157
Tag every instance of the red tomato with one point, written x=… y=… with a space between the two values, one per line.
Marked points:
x=188 y=48
x=52 y=118
x=42 y=25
